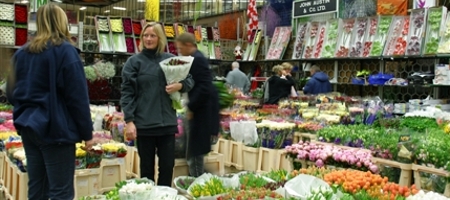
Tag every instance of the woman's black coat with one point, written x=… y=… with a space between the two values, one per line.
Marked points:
x=204 y=104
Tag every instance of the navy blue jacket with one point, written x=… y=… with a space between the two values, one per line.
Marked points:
x=50 y=94
x=318 y=84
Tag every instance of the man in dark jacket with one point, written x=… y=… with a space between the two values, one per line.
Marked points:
x=203 y=106
x=318 y=83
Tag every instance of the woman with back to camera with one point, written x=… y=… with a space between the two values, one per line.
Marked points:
x=48 y=89
x=279 y=85
x=145 y=101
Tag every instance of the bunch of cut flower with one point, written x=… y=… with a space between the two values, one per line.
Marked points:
x=114 y=150
x=332 y=155
x=88 y=159
x=275 y=135
x=13 y=144
x=310 y=127
x=20 y=159
x=175 y=70
x=100 y=70
x=210 y=186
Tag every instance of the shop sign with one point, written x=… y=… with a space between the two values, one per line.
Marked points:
x=305 y=8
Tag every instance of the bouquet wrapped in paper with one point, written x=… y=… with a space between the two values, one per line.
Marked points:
x=175 y=70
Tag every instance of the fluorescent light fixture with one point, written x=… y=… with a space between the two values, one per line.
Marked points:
x=83 y=8
x=107 y=11
x=119 y=8
x=58 y=1
x=140 y=11
x=141 y=1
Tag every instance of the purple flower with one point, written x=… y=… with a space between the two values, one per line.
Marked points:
x=319 y=163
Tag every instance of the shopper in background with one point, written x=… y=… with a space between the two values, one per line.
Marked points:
x=278 y=87
x=318 y=83
x=287 y=67
x=48 y=90
x=203 y=106
x=145 y=101
x=237 y=79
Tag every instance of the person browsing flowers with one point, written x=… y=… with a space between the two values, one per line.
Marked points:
x=47 y=87
x=203 y=106
x=147 y=106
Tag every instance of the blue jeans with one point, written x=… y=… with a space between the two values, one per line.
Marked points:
x=50 y=167
x=196 y=165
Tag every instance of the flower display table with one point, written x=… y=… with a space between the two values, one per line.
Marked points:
x=406 y=169
x=438 y=172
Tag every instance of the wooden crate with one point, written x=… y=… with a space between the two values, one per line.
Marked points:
x=2 y=164
x=250 y=158
x=222 y=146
x=19 y=184
x=214 y=163
x=112 y=171
x=8 y=175
x=267 y=159
x=87 y=182
x=439 y=172
x=129 y=160
x=406 y=169
x=135 y=163
x=235 y=155
x=282 y=161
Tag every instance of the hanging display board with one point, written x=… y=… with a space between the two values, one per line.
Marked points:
x=305 y=8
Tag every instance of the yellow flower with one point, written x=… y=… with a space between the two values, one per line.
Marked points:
x=80 y=153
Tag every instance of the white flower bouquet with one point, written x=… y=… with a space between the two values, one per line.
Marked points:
x=175 y=70
x=136 y=191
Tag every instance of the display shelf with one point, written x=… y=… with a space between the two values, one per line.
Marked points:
x=435 y=25
x=299 y=44
x=117 y=34
x=310 y=39
x=343 y=44
x=104 y=34
x=358 y=35
x=398 y=33
x=317 y=50
x=416 y=31
x=329 y=47
x=383 y=25
x=444 y=43
x=7 y=11
x=371 y=32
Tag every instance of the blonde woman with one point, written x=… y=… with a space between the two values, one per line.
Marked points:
x=145 y=101
x=51 y=106
x=276 y=87
x=287 y=67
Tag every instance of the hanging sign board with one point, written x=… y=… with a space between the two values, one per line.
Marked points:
x=306 y=8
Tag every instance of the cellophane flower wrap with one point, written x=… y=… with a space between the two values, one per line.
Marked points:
x=175 y=70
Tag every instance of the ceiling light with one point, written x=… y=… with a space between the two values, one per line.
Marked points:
x=83 y=8
x=107 y=11
x=140 y=11
x=141 y=1
x=119 y=8
x=58 y=1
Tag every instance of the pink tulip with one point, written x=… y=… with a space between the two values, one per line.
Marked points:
x=319 y=163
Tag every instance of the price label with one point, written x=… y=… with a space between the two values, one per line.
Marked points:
x=305 y=8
